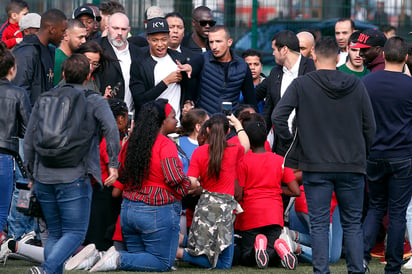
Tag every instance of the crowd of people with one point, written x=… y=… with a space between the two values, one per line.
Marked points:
x=147 y=149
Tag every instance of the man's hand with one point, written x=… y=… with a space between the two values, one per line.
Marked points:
x=173 y=77
x=113 y=175
x=186 y=67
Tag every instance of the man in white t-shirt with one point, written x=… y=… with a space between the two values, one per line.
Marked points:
x=160 y=72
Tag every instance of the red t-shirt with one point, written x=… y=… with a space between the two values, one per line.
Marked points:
x=260 y=175
x=226 y=182
x=235 y=140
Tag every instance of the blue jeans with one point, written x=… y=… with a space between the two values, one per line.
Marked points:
x=151 y=234
x=335 y=236
x=224 y=261
x=390 y=189
x=6 y=186
x=17 y=222
x=348 y=188
x=66 y=209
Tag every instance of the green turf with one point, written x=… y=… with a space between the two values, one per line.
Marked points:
x=22 y=267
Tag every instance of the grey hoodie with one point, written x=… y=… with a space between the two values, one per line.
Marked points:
x=335 y=124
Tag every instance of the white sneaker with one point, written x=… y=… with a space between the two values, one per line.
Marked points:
x=84 y=259
x=285 y=235
x=27 y=237
x=5 y=251
x=408 y=264
x=110 y=261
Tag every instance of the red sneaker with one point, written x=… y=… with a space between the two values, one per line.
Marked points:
x=261 y=255
x=288 y=259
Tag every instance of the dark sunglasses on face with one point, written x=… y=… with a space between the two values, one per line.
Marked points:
x=203 y=23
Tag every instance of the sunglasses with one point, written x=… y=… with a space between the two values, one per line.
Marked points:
x=203 y=23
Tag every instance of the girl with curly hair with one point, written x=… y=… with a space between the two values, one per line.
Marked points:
x=154 y=185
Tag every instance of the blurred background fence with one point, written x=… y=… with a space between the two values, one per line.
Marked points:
x=243 y=15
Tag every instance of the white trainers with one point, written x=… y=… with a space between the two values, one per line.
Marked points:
x=84 y=259
x=285 y=235
x=109 y=261
x=27 y=237
x=408 y=264
x=5 y=251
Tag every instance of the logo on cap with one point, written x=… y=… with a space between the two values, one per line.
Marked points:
x=158 y=24
x=363 y=38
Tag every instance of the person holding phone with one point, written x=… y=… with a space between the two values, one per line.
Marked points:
x=223 y=74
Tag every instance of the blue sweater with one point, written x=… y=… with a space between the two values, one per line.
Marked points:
x=391 y=97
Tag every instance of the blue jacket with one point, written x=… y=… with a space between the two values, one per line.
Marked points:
x=216 y=86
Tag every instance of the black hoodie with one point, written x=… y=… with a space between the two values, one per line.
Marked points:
x=335 y=124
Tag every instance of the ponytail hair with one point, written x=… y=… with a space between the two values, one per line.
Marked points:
x=218 y=128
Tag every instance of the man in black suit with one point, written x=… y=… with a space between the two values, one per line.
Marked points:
x=116 y=73
x=291 y=64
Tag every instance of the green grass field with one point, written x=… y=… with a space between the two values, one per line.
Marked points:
x=22 y=267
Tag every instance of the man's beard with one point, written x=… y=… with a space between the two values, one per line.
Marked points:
x=116 y=43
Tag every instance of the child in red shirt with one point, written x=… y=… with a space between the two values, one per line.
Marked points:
x=260 y=174
x=9 y=31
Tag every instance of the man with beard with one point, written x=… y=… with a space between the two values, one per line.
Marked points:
x=34 y=56
x=224 y=75
x=202 y=22
x=370 y=43
x=354 y=65
x=116 y=73
x=74 y=36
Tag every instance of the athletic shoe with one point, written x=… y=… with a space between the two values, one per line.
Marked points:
x=84 y=259
x=408 y=264
x=27 y=237
x=285 y=235
x=365 y=266
x=287 y=258
x=110 y=261
x=261 y=255
x=37 y=270
x=5 y=250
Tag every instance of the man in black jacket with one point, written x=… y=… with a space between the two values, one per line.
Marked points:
x=34 y=56
x=291 y=64
x=114 y=78
x=159 y=73
x=335 y=126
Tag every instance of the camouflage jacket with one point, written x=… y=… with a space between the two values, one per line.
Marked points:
x=212 y=227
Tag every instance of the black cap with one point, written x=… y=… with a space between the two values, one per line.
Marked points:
x=83 y=10
x=370 y=38
x=157 y=25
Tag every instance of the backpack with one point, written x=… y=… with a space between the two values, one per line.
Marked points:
x=62 y=137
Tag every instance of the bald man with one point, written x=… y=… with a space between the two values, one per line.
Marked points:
x=306 y=43
x=117 y=72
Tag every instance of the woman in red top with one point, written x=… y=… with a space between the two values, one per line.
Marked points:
x=154 y=185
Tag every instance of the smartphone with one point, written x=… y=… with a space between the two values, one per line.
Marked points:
x=129 y=120
x=115 y=89
x=227 y=108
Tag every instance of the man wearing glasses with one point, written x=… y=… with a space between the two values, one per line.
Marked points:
x=202 y=22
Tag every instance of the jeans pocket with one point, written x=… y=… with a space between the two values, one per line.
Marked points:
x=144 y=220
x=372 y=170
x=401 y=169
